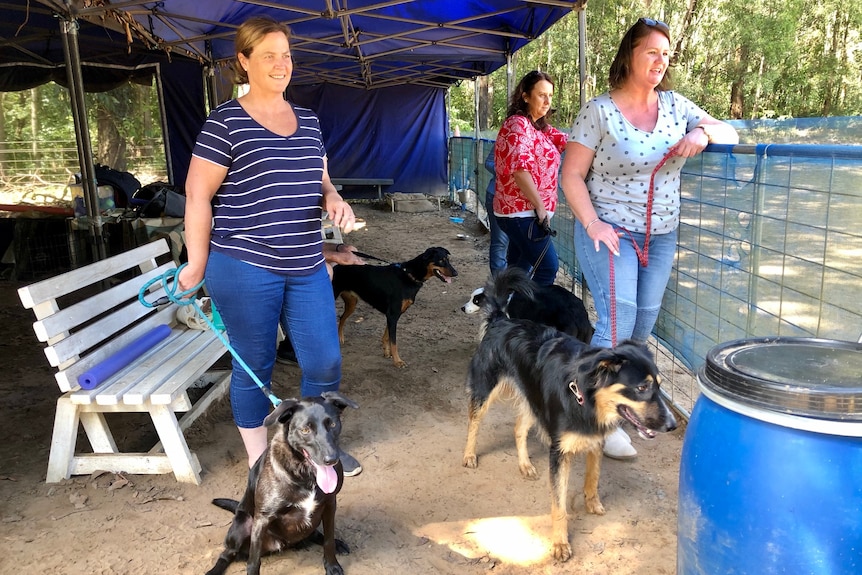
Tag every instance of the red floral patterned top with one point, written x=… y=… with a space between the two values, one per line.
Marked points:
x=520 y=146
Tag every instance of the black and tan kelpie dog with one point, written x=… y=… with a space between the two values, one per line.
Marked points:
x=292 y=487
x=574 y=394
x=389 y=289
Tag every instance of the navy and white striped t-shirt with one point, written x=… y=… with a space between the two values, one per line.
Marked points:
x=267 y=211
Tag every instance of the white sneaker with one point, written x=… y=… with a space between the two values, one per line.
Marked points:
x=618 y=445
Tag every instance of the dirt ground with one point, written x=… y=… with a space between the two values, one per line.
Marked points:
x=413 y=509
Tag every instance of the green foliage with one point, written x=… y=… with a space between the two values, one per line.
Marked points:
x=765 y=59
x=39 y=149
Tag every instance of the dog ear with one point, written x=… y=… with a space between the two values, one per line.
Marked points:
x=338 y=400
x=595 y=363
x=610 y=361
x=282 y=413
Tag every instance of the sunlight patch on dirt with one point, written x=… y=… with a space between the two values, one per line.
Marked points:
x=512 y=540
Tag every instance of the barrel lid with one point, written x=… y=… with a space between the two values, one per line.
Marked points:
x=799 y=376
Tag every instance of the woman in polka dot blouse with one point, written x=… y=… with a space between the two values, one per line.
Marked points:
x=618 y=140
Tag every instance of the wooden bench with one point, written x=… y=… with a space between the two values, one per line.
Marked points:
x=379 y=182
x=89 y=314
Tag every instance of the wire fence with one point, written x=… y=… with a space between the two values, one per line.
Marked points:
x=38 y=172
x=769 y=245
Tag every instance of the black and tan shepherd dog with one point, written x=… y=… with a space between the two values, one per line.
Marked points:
x=389 y=289
x=292 y=488
x=574 y=394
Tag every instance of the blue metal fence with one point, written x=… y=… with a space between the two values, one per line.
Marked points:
x=770 y=243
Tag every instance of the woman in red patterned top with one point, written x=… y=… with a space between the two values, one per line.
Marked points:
x=527 y=157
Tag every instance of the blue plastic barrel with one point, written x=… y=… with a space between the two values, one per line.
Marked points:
x=771 y=471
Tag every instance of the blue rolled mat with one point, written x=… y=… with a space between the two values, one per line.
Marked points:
x=94 y=376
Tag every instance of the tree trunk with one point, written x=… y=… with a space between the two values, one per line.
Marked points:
x=737 y=88
x=4 y=155
x=485 y=102
x=111 y=145
x=34 y=125
x=684 y=32
x=759 y=88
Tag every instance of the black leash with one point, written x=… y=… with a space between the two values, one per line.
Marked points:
x=550 y=233
x=397 y=264
x=370 y=257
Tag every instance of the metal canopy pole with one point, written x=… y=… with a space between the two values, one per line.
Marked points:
x=69 y=33
x=582 y=52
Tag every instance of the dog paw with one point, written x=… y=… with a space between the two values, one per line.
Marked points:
x=528 y=470
x=400 y=363
x=341 y=548
x=471 y=461
x=594 y=505
x=334 y=569
x=562 y=551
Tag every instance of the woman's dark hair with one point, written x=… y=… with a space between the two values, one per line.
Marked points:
x=621 y=67
x=518 y=106
x=248 y=35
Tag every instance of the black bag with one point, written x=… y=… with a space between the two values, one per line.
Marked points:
x=159 y=199
x=124 y=183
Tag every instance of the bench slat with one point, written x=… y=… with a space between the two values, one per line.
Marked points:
x=173 y=358
x=101 y=330
x=194 y=367
x=71 y=317
x=67 y=378
x=150 y=369
x=71 y=281
x=362 y=181
x=134 y=463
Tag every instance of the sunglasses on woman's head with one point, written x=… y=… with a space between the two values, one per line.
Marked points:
x=654 y=23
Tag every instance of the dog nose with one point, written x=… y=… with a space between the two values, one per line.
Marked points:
x=670 y=424
x=331 y=460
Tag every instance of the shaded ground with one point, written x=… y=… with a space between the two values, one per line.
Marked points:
x=414 y=508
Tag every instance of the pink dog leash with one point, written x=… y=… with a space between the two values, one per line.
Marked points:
x=643 y=254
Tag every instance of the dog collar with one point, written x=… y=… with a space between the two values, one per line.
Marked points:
x=577 y=392
x=408 y=274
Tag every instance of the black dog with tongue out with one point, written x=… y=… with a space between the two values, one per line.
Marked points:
x=292 y=487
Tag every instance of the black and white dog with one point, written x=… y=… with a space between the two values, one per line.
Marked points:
x=553 y=305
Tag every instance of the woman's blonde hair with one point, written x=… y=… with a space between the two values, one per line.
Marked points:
x=248 y=35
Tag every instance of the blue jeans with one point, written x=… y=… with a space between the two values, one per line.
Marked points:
x=252 y=301
x=639 y=290
x=527 y=240
x=499 y=240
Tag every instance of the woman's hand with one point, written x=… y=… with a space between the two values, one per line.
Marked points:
x=692 y=143
x=341 y=254
x=340 y=212
x=189 y=278
x=602 y=233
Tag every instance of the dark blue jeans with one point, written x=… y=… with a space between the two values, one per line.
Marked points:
x=499 y=240
x=251 y=302
x=527 y=240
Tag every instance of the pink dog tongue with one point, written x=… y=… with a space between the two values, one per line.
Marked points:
x=326 y=477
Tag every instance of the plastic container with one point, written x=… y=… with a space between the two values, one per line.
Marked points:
x=771 y=471
x=106 y=198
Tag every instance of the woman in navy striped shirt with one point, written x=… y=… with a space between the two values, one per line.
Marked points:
x=256 y=191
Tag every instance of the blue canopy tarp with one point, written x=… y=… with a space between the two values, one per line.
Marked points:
x=375 y=72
